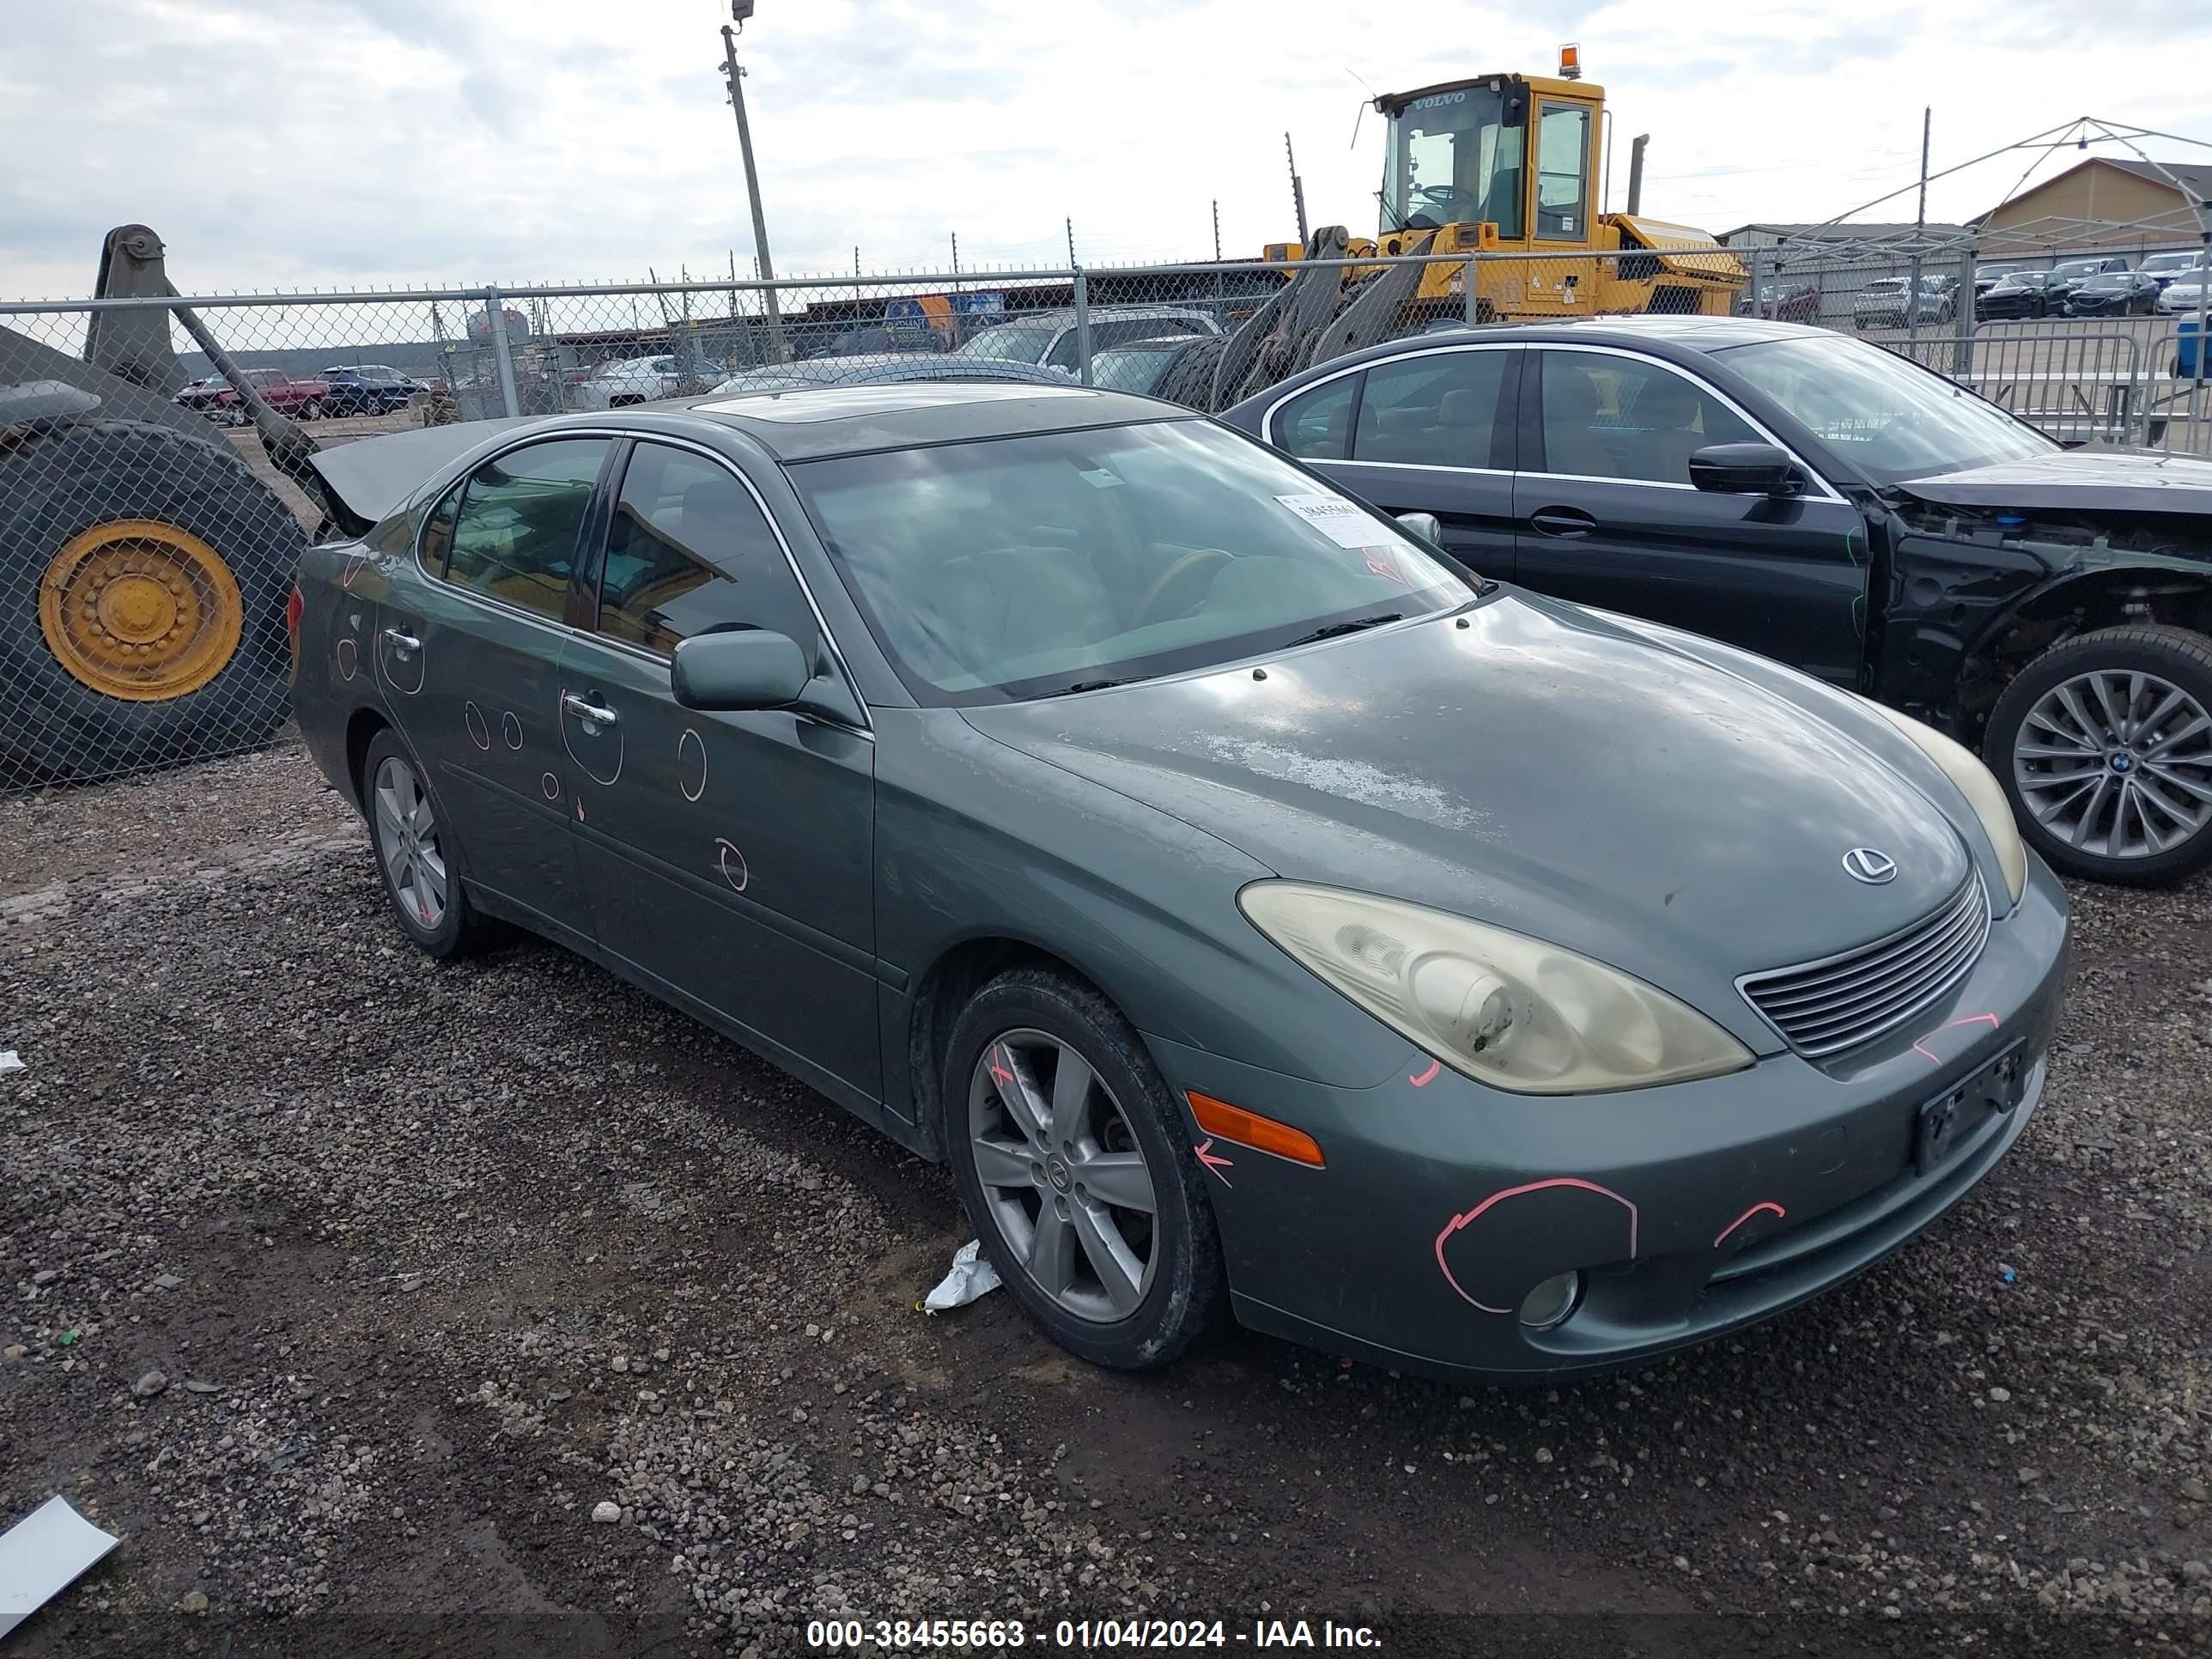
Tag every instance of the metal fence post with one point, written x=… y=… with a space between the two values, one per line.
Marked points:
x=1469 y=301
x=496 y=321
x=1962 y=315
x=1755 y=304
x=1082 y=285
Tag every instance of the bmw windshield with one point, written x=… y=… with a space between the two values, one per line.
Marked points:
x=1892 y=418
x=1003 y=569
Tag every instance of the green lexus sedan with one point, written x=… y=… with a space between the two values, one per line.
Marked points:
x=1259 y=913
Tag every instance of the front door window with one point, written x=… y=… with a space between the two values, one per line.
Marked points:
x=1563 y=173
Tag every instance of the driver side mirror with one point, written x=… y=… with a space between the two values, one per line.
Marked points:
x=1745 y=470
x=748 y=668
x=1424 y=526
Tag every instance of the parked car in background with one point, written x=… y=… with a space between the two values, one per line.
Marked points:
x=1988 y=276
x=2065 y=278
x=1881 y=303
x=206 y=395
x=2021 y=295
x=2113 y=293
x=1792 y=301
x=1835 y=506
x=2163 y=267
x=1050 y=336
x=888 y=368
x=1139 y=366
x=2184 y=295
x=626 y=381
x=212 y=396
x=369 y=389
x=1255 y=912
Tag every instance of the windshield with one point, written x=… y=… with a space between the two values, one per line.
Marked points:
x=2170 y=261
x=1892 y=417
x=1452 y=162
x=1007 y=568
x=1009 y=343
x=2079 y=267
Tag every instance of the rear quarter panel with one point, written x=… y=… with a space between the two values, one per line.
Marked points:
x=332 y=671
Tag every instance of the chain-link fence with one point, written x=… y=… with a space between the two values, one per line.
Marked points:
x=146 y=543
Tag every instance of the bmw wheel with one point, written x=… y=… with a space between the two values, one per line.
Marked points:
x=2105 y=745
x=1075 y=1166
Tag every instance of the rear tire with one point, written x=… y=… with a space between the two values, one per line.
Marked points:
x=2098 y=743
x=56 y=487
x=1019 y=1027
x=417 y=857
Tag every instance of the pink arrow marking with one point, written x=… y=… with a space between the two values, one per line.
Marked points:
x=1427 y=1077
x=999 y=1075
x=1764 y=1205
x=1213 y=1160
x=1918 y=1044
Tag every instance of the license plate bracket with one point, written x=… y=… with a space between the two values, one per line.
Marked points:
x=1943 y=1123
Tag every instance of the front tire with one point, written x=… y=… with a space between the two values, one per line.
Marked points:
x=417 y=858
x=2104 y=745
x=1075 y=1166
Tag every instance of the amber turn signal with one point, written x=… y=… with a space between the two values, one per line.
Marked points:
x=1218 y=1117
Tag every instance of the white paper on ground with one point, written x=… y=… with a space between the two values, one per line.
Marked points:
x=972 y=1276
x=11 y=1061
x=41 y=1555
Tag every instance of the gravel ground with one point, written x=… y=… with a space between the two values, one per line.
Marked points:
x=389 y=1308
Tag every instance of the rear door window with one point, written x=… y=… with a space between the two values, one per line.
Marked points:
x=1438 y=408
x=520 y=519
x=1316 y=425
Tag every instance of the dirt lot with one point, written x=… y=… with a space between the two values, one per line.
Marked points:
x=346 y=1287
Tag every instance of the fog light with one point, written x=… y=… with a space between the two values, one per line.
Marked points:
x=1551 y=1302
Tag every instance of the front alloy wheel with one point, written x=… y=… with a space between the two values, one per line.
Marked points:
x=1075 y=1162
x=2105 y=745
x=1063 y=1175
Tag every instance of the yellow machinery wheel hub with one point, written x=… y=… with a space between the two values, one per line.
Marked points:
x=141 y=610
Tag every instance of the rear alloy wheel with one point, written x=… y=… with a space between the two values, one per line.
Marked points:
x=2105 y=745
x=415 y=853
x=1076 y=1168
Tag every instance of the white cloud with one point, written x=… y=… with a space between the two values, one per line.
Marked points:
x=342 y=143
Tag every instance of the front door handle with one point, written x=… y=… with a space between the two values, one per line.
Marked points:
x=403 y=642
x=585 y=709
x=1561 y=521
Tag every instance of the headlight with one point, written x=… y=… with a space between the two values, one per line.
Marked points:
x=1978 y=784
x=1507 y=1010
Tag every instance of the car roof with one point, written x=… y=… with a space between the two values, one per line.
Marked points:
x=820 y=422
x=1699 y=334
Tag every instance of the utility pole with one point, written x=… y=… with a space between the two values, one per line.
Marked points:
x=1217 y=230
x=1298 y=191
x=1071 y=242
x=739 y=10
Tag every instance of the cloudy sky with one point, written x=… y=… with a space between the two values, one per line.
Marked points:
x=342 y=143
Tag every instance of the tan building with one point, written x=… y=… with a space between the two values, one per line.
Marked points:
x=2106 y=203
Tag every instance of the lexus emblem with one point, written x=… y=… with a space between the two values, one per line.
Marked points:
x=1871 y=865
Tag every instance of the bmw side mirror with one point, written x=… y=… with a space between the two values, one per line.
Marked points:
x=1423 y=525
x=1745 y=470
x=748 y=668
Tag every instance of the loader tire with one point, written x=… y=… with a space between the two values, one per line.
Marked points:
x=143 y=574
x=1189 y=379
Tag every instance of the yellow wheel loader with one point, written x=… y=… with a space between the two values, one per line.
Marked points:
x=1504 y=169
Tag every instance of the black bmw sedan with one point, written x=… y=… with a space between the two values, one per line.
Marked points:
x=1836 y=506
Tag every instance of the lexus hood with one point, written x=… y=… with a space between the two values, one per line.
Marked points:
x=2078 y=481
x=1543 y=768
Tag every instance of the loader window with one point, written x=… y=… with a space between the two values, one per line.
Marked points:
x=1452 y=159
x=1563 y=173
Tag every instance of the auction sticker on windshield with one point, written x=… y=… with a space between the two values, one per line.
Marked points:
x=1346 y=523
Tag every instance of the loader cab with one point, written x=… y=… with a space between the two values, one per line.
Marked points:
x=1512 y=151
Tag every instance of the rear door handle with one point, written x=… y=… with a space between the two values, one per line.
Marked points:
x=585 y=709
x=1561 y=521
x=401 y=641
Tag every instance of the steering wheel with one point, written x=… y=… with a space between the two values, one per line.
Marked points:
x=1456 y=206
x=1186 y=579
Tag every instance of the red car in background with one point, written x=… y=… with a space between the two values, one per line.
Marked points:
x=213 y=397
